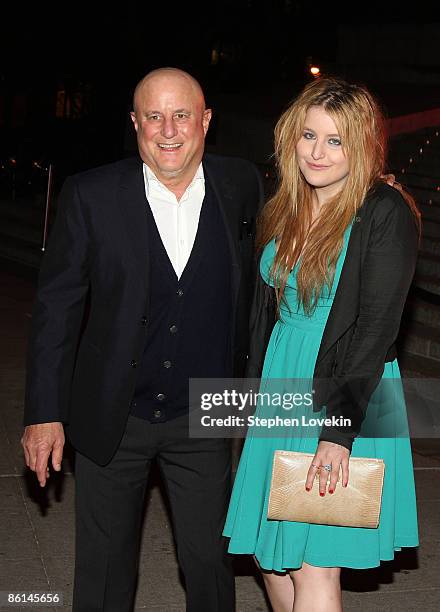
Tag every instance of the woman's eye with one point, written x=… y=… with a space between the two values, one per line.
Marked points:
x=308 y=135
x=335 y=141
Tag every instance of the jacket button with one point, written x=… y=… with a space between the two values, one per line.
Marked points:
x=157 y=414
x=133 y=363
x=180 y=292
x=160 y=397
x=167 y=364
x=173 y=329
x=144 y=321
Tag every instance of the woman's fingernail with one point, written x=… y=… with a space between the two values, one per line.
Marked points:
x=331 y=491
x=322 y=494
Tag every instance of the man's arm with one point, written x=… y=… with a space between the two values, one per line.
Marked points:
x=56 y=321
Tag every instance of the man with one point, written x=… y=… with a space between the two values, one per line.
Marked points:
x=161 y=249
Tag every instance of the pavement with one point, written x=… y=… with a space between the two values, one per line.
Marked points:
x=37 y=525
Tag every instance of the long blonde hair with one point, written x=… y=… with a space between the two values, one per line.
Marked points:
x=287 y=215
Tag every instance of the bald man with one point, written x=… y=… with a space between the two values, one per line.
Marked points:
x=161 y=248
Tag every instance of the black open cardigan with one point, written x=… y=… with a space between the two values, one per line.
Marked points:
x=364 y=320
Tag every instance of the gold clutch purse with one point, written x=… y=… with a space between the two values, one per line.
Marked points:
x=357 y=505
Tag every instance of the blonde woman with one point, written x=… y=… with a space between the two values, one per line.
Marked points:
x=338 y=250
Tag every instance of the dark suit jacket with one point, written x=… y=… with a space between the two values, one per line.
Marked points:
x=98 y=253
x=364 y=319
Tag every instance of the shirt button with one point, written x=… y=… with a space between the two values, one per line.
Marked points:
x=173 y=329
x=160 y=397
x=180 y=292
x=144 y=321
x=167 y=364
x=157 y=414
x=133 y=363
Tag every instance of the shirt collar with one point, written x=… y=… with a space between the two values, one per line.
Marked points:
x=149 y=177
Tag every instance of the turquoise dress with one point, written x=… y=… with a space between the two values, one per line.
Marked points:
x=284 y=545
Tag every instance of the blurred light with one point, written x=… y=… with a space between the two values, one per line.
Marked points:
x=315 y=70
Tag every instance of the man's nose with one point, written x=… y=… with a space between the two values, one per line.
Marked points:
x=168 y=128
x=318 y=150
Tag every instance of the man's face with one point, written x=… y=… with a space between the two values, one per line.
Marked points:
x=171 y=124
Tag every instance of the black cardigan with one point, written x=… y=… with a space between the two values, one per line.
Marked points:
x=364 y=320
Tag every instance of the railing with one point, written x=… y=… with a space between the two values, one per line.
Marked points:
x=26 y=182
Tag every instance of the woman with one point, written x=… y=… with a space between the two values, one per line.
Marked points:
x=339 y=247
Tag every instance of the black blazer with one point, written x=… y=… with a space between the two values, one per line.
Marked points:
x=98 y=255
x=364 y=320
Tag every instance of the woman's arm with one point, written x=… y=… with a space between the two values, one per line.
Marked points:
x=386 y=275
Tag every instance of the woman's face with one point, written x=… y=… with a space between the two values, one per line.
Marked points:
x=319 y=153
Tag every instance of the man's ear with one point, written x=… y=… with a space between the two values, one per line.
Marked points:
x=133 y=118
x=207 y=114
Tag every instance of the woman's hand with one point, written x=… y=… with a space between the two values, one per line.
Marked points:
x=333 y=455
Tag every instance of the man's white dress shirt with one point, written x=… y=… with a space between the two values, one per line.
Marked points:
x=177 y=221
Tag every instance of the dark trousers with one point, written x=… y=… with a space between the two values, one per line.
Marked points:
x=109 y=504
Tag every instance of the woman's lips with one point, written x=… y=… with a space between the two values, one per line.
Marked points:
x=316 y=166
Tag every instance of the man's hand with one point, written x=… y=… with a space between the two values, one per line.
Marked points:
x=390 y=180
x=38 y=442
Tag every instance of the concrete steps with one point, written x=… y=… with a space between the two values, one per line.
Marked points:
x=430 y=225
x=423 y=340
x=418 y=155
x=419 y=337
x=420 y=310
x=418 y=180
x=429 y=283
x=418 y=366
x=422 y=195
x=427 y=165
x=428 y=263
x=409 y=145
x=414 y=162
x=429 y=211
x=431 y=244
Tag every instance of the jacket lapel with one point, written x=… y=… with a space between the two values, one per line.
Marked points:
x=133 y=202
x=346 y=301
x=224 y=194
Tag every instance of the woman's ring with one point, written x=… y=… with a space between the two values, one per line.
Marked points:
x=327 y=467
